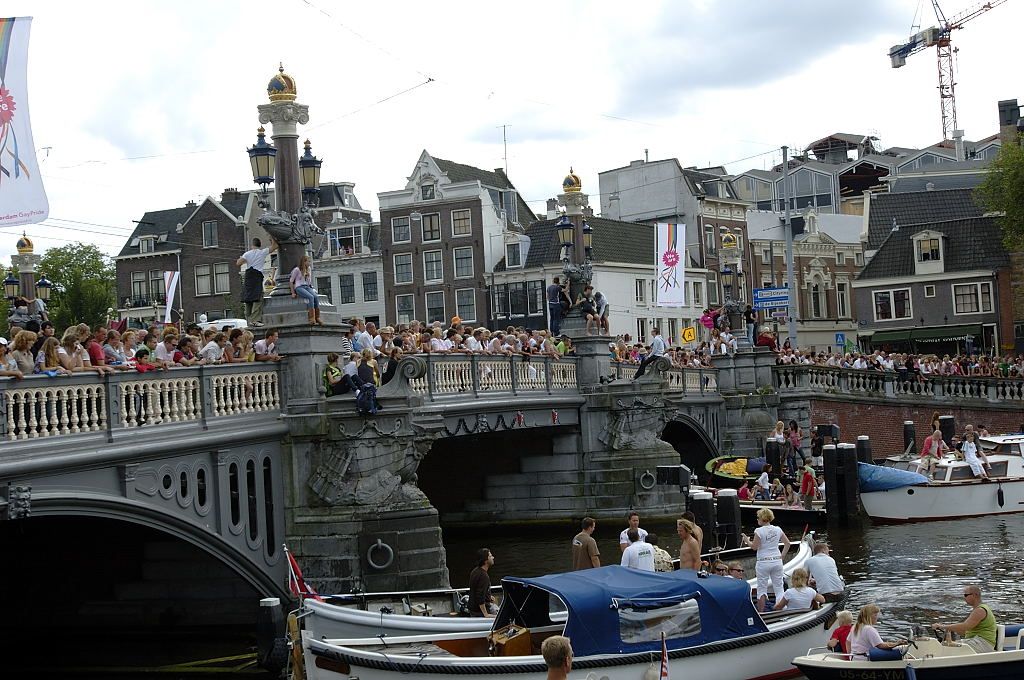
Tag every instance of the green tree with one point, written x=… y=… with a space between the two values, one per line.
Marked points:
x=83 y=284
x=1003 y=191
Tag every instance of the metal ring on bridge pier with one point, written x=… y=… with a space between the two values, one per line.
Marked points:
x=647 y=474
x=386 y=548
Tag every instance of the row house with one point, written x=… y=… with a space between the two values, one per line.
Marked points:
x=202 y=241
x=442 y=234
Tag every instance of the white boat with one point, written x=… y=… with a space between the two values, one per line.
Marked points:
x=615 y=618
x=928 y=658
x=438 y=611
x=906 y=495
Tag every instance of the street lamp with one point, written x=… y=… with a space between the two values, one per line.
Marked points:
x=263 y=158
x=566 y=232
x=43 y=288
x=309 y=169
x=588 y=240
x=728 y=281
x=12 y=288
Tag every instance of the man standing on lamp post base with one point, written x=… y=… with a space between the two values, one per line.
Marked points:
x=252 y=287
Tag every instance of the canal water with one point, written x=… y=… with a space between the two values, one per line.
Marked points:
x=914 y=572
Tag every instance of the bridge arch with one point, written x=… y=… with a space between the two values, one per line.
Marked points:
x=689 y=437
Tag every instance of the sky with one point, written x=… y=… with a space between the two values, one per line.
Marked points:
x=145 y=105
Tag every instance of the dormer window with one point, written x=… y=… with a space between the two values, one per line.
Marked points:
x=928 y=250
x=147 y=244
x=513 y=255
x=427 y=192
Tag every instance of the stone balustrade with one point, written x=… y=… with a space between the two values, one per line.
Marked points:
x=688 y=380
x=41 y=406
x=474 y=374
x=822 y=379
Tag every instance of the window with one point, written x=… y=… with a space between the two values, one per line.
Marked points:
x=204 y=280
x=673 y=331
x=209 y=234
x=346 y=289
x=513 y=255
x=535 y=297
x=766 y=256
x=929 y=291
x=816 y=301
x=462 y=224
x=842 y=299
x=892 y=304
x=346 y=241
x=972 y=298
x=400 y=231
x=465 y=303
x=517 y=298
x=403 y=268
x=369 y=286
x=499 y=300
x=431 y=227
x=463 y=263
x=644 y=623
x=840 y=258
x=404 y=308
x=435 y=307
x=928 y=250
x=323 y=287
x=156 y=286
x=641 y=287
x=710 y=240
x=147 y=245
x=433 y=270
x=641 y=330
x=712 y=289
x=138 y=287
x=858 y=259
x=698 y=293
x=221 y=278
x=427 y=192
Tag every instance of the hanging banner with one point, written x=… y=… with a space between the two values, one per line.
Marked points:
x=22 y=197
x=170 y=285
x=670 y=246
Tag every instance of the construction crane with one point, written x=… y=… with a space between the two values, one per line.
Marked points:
x=941 y=37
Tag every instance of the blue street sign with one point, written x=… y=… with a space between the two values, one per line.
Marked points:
x=771 y=298
x=841 y=339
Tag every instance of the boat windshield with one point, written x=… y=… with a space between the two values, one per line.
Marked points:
x=639 y=623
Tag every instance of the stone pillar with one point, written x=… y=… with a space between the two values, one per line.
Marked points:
x=27 y=264
x=751 y=405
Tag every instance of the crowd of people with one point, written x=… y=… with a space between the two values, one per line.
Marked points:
x=910 y=366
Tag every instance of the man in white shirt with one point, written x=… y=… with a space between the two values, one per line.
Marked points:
x=639 y=554
x=822 y=570
x=165 y=350
x=252 y=286
x=657 y=349
x=634 y=523
x=213 y=351
x=266 y=349
x=365 y=337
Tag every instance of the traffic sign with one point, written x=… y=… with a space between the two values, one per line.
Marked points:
x=689 y=334
x=841 y=339
x=771 y=298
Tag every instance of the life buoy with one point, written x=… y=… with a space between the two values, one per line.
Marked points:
x=647 y=475
x=380 y=545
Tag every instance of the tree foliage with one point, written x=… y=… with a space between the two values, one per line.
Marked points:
x=83 y=284
x=1003 y=191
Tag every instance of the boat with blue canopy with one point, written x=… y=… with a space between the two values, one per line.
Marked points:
x=617 y=619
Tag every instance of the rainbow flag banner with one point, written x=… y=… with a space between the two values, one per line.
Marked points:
x=22 y=197
x=670 y=249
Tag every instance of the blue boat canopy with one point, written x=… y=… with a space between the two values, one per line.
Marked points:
x=881 y=478
x=617 y=610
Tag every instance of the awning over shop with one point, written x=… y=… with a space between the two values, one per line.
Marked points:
x=946 y=333
x=891 y=336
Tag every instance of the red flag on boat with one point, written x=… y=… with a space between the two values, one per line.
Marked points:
x=296 y=583
x=664 y=659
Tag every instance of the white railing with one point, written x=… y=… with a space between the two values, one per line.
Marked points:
x=475 y=374
x=688 y=380
x=873 y=383
x=40 y=406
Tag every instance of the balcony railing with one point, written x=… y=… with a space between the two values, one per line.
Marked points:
x=41 y=406
x=819 y=379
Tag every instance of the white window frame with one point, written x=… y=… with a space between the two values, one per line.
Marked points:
x=713 y=287
x=221 y=269
x=930 y=287
x=376 y=287
x=840 y=258
x=698 y=293
x=858 y=259
x=977 y=292
x=519 y=250
x=919 y=249
x=842 y=300
x=342 y=289
x=428 y=188
x=469 y=215
x=408 y=226
x=766 y=256
x=335 y=240
x=207 y=242
x=892 y=304
x=455 y=264
x=147 y=244
x=423 y=228
x=458 y=311
x=139 y=281
x=641 y=329
x=641 y=289
x=398 y=309
x=208 y=275
x=440 y=266
x=412 y=268
x=426 y=307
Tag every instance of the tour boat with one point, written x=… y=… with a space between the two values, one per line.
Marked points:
x=442 y=611
x=925 y=659
x=618 y=620
x=896 y=491
x=721 y=476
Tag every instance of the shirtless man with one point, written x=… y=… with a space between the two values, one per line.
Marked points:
x=689 y=551
x=698 y=533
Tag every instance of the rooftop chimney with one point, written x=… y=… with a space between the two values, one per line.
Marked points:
x=1009 y=115
x=552 y=209
x=930 y=186
x=634 y=164
x=588 y=211
x=230 y=194
x=958 y=144
x=190 y=204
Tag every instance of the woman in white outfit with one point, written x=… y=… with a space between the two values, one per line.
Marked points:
x=769 y=559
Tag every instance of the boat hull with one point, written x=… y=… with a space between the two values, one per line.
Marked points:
x=993 y=666
x=945 y=500
x=762 y=656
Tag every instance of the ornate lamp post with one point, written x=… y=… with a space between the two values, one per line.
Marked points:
x=43 y=288
x=12 y=287
x=730 y=258
x=576 y=238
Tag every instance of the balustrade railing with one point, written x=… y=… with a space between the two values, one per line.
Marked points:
x=689 y=380
x=473 y=374
x=41 y=406
x=872 y=383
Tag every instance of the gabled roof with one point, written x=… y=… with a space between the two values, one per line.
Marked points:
x=951 y=175
x=458 y=172
x=851 y=140
x=162 y=224
x=918 y=207
x=974 y=243
x=614 y=241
